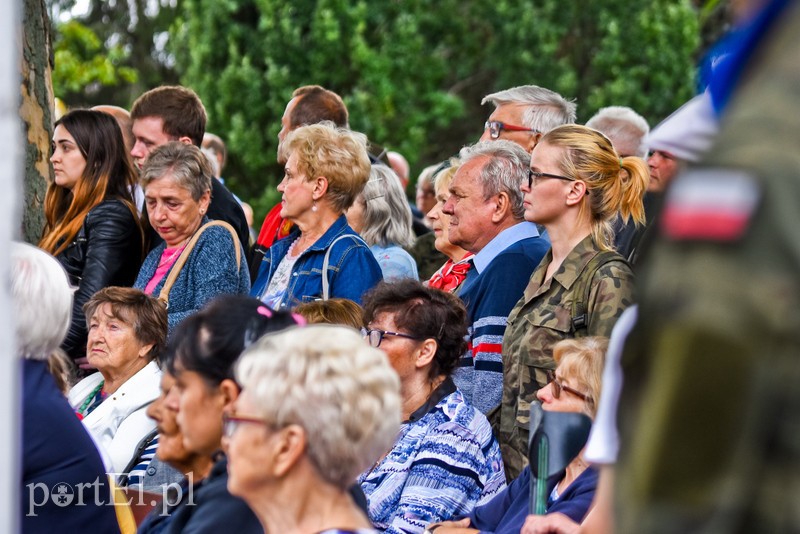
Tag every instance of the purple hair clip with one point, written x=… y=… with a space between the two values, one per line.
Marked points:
x=266 y=312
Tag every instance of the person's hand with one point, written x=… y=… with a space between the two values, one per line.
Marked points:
x=83 y=363
x=451 y=527
x=549 y=524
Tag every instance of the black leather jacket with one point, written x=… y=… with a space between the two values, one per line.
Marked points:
x=107 y=251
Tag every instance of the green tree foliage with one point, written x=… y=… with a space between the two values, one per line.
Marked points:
x=413 y=72
x=112 y=52
x=81 y=61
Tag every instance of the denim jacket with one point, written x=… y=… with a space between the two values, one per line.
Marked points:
x=352 y=268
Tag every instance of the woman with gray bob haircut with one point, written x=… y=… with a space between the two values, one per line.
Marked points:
x=206 y=256
x=318 y=406
x=382 y=216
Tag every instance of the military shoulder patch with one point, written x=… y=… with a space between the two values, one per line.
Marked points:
x=710 y=204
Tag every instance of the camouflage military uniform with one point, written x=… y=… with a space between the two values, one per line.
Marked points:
x=710 y=410
x=542 y=317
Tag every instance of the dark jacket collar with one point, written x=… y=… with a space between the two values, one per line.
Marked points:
x=445 y=388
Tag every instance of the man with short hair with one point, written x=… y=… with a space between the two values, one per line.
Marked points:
x=486 y=218
x=523 y=114
x=626 y=129
x=175 y=113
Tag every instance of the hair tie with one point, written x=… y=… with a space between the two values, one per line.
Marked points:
x=299 y=319
x=263 y=310
x=620 y=163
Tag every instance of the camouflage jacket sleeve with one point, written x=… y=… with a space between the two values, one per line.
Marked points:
x=612 y=292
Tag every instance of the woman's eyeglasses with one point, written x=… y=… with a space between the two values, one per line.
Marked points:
x=231 y=422
x=534 y=176
x=558 y=387
x=375 y=336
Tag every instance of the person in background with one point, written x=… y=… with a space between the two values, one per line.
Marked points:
x=575 y=387
x=332 y=311
x=318 y=406
x=452 y=274
x=486 y=213
x=326 y=169
x=177 y=187
x=200 y=356
x=56 y=448
x=445 y=460
x=92 y=225
x=576 y=187
x=127 y=332
x=174 y=113
x=424 y=251
x=426 y=196
x=380 y=214
x=627 y=131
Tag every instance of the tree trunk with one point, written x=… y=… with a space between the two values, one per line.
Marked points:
x=36 y=112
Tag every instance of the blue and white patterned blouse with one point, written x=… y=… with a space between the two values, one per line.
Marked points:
x=445 y=462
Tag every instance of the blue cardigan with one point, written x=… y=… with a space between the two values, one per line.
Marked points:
x=209 y=271
x=506 y=513
x=352 y=268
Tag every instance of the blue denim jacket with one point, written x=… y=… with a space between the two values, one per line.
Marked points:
x=352 y=268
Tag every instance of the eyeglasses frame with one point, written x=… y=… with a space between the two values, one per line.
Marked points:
x=498 y=126
x=367 y=333
x=558 y=386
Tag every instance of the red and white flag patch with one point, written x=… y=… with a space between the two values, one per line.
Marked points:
x=712 y=204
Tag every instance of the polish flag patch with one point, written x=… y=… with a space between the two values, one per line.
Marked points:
x=711 y=204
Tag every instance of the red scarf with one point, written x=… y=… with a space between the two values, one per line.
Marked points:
x=452 y=274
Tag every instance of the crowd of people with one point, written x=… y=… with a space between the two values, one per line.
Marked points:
x=360 y=364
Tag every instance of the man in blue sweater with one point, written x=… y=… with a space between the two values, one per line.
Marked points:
x=486 y=218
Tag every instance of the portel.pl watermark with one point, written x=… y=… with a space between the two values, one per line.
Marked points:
x=98 y=493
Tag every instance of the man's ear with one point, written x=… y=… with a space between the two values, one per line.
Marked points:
x=186 y=140
x=502 y=207
x=533 y=141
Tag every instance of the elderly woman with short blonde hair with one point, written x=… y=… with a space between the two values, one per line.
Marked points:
x=318 y=407
x=326 y=168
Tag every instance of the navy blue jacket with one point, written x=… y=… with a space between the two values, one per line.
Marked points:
x=57 y=452
x=506 y=513
x=352 y=268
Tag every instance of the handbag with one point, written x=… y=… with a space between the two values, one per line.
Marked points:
x=163 y=296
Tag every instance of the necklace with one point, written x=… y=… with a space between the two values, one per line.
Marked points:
x=90 y=399
x=172 y=256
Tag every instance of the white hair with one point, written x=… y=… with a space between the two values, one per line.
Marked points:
x=387 y=215
x=626 y=129
x=329 y=381
x=545 y=110
x=506 y=170
x=41 y=298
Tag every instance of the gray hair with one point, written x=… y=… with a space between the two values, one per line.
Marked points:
x=626 y=129
x=545 y=110
x=41 y=298
x=428 y=175
x=505 y=171
x=189 y=167
x=330 y=382
x=387 y=215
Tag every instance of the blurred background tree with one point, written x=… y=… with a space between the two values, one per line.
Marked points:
x=412 y=73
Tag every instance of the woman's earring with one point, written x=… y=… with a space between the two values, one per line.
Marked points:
x=314 y=206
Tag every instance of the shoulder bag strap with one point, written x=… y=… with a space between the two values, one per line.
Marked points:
x=326 y=261
x=163 y=296
x=583 y=289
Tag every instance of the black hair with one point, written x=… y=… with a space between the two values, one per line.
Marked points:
x=210 y=341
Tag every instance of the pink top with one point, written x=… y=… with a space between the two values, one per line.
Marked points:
x=168 y=259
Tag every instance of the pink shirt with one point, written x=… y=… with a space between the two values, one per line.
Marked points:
x=168 y=259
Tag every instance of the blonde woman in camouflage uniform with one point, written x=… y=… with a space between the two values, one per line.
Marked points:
x=576 y=187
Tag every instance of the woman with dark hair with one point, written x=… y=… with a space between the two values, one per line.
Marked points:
x=92 y=225
x=200 y=356
x=445 y=460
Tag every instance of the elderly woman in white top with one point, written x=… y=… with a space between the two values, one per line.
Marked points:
x=127 y=330
x=382 y=216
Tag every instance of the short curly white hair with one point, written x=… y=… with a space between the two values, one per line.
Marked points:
x=329 y=381
x=41 y=298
